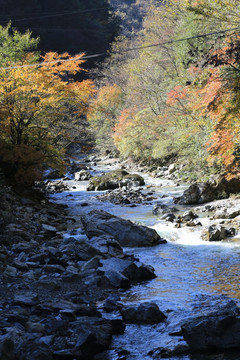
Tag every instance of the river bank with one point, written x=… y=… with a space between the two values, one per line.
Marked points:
x=69 y=289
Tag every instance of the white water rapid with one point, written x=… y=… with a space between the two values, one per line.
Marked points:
x=192 y=275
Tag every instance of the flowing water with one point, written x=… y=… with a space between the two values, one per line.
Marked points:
x=193 y=276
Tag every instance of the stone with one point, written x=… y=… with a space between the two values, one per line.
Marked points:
x=113 y=180
x=10 y=271
x=50 y=228
x=218 y=330
x=214 y=233
x=165 y=352
x=114 y=278
x=32 y=350
x=7 y=347
x=100 y=223
x=126 y=196
x=188 y=216
x=95 y=335
x=91 y=264
x=145 y=313
x=217 y=187
x=168 y=217
x=26 y=299
x=112 y=303
x=160 y=209
x=82 y=175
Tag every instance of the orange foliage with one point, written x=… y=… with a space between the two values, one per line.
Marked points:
x=34 y=109
x=124 y=123
x=176 y=94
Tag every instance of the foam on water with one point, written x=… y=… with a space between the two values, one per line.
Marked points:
x=190 y=271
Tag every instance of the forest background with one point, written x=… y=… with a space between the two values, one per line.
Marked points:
x=165 y=88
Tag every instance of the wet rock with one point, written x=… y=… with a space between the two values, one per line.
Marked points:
x=215 y=331
x=112 y=303
x=214 y=233
x=113 y=180
x=56 y=186
x=168 y=217
x=145 y=313
x=116 y=354
x=217 y=187
x=99 y=223
x=188 y=216
x=82 y=175
x=111 y=277
x=132 y=270
x=159 y=209
x=231 y=232
x=107 y=246
x=94 y=336
x=125 y=196
x=164 y=352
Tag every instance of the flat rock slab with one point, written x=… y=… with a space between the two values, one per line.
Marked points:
x=99 y=223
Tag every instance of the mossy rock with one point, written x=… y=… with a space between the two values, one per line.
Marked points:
x=113 y=180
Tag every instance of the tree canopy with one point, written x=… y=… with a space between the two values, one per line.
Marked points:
x=39 y=105
x=181 y=97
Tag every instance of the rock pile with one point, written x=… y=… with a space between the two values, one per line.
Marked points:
x=50 y=281
x=126 y=196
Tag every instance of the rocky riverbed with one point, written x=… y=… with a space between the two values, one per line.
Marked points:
x=63 y=278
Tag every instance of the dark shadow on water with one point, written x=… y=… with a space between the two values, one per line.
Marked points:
x=229 y=355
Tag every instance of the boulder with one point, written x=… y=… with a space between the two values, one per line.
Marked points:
x=217 y=187
x=101 y=223
x=132 y=270
x=168 y=217
x=218 y=330
x=107 y=245
x=214 y=233
x=159 y=209
x=113 y=180
x=82 y=175
x=188 y=216
x=145 y=313
x=227 y=213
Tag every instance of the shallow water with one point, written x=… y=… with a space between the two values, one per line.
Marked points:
x=192 y=275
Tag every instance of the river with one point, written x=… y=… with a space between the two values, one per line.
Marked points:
x=193 y=276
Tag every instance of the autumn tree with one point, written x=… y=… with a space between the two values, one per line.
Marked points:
x=35 y=101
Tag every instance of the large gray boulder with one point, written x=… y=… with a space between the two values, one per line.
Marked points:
x=219 y=330
x=99 y=223
x=113 y=180
x=214 y=233
x=217 y=187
